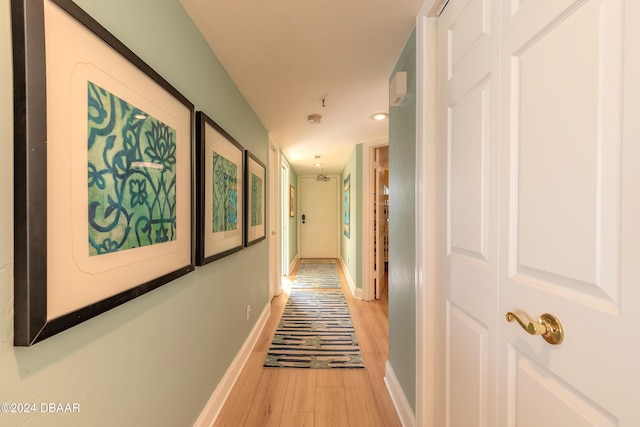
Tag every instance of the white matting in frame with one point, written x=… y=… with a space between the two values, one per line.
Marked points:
x=87 y=274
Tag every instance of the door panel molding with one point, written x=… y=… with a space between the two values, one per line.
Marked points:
x=559 y=403
x=466 y=383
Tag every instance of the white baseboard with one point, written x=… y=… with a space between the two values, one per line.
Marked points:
x=403 y=408
x=292 y=264
x=355 y=292
x=217 y=400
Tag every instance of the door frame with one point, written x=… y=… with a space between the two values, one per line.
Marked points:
x=429 y=379
x=275 y=270
x=368 y=163
x=283 y=174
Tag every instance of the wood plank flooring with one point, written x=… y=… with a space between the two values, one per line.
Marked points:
x=283 y=397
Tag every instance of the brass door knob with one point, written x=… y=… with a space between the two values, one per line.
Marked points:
x=548 y=326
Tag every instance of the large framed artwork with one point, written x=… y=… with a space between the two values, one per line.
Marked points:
x=255 y=199
x=292 y=201
x=347 y=206
x=219 y=192
x=103 y=178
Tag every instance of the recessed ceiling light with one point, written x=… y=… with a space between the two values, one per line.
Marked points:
x=317 y=164
x=380 y=116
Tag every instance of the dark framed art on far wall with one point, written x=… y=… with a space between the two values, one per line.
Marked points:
x=220 y=189
x=102 y=172
x=255 y=184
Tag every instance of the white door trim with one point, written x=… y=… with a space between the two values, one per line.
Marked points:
x=283 y=173
x=275 y=269
x=428 y=379
x=368 y=158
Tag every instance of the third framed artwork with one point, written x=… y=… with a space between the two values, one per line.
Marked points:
x=255 y=199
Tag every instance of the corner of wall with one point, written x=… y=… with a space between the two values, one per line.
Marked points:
x=399 y=399
x=355 y=291
x=293 y=263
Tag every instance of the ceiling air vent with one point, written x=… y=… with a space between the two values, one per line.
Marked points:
x=314 y=118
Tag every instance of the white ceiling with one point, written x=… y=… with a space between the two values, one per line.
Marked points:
x=286 y=56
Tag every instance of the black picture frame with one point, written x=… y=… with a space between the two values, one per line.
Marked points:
x=255 y=199
x=217 y=241
x=42 y=91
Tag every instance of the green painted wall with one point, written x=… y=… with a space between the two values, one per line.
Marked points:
x=402 y=148
x=293 y=221
x=156 y=360
x=351 y=247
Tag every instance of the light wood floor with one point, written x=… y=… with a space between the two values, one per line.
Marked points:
x=316 y=397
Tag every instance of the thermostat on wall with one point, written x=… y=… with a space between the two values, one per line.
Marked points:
x=398 y=88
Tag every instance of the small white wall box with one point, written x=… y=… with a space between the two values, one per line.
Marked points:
x=398 y=88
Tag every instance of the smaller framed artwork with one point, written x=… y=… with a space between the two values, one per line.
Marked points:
x=220 y=174
x=347 y=206
x=255 y=181
x=292 y=201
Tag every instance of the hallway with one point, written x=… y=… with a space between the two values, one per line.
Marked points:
x=316 y=397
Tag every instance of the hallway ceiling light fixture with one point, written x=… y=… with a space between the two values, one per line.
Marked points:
x=379 y=116
x=322 y=177
x=317 y=165
x=314 y=118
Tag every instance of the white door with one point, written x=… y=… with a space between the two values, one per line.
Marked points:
x=569 y=242
x=539 y=151
x=319 y=217
x=468 y=211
